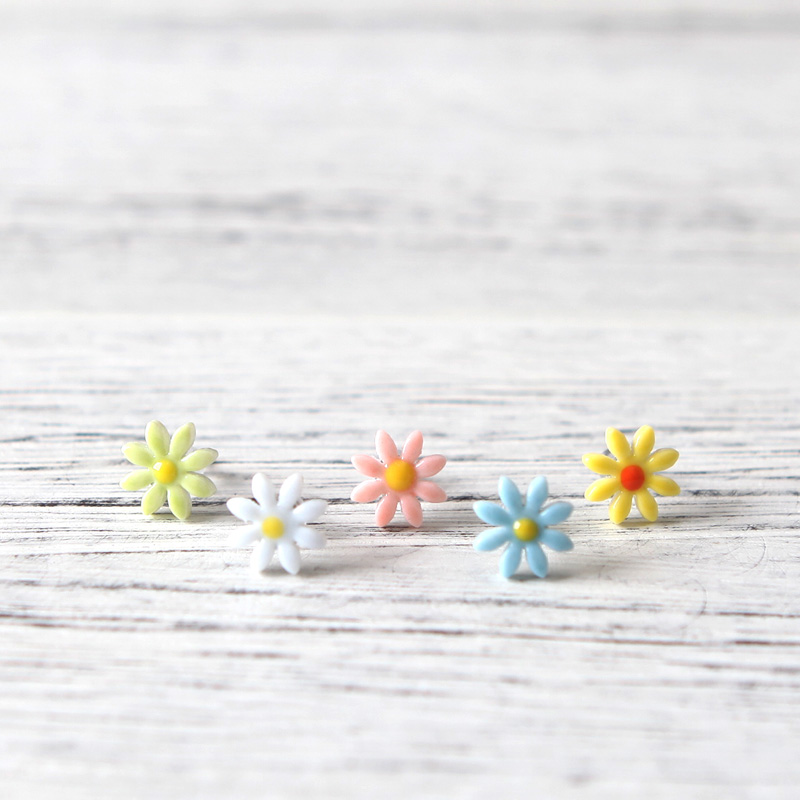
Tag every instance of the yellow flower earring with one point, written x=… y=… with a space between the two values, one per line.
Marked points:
x=632 y=475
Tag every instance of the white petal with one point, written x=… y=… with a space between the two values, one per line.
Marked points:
x=290 y=491
x=245 y=509
x=262 y=555
x=310 y=510
x=289 y=556
x=241 y=537
x=264 y=491
x=311 y=538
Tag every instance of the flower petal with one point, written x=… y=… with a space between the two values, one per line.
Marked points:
x=601 y=464
x=311 y=538
x=412 y=510
x=262 y=555
x=369 y=466
x=245 y=509
x=263 y=491
x=430 y=492
x=602 y=489
x=555 y=539
x=510 y=559
x=367 y=491
x=180 y=504
x=647 y=505
x=310 y=511
x=241 y=537
x=412 y=449
x=620 y=507
x=200 y=459
x=492 y=538
x=617 y=443
x=491 y=513
x=662 y=459
x=387 y=449
x=537 y=559
x=153 y=499
x=289 y=556
x=555 y=513
x=537 y=494
x=430 y=466
x=290 y=492
x=663 y=485
x=510 y=495
x=137 y=479
x=198 y=485
x=138 y=454
x=643 y=441
x=157 y=438
x=182 y=440
x=386 y=510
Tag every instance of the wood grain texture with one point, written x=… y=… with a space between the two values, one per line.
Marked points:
x=509 y=225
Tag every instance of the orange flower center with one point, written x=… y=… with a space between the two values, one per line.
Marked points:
x=400 y=475
x=632 y=478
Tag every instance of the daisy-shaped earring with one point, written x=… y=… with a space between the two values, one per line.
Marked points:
x=277 y=523
x=632 y=475
x=398 y=479
x=522 y=525
x=167 y=470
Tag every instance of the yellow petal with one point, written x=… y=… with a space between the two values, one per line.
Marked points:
x=602 y=465
x=647 y=505
x=602 y=489
x=180 y=504
x=139 y=454
x=662 y=459
x=618 y=444
x=620 y=507
x=643 y=441
x=153 y=499
x=158 y=438
x=137 y=479
x=198 y=485
x=200 y=459
x=663 y=485
x=182 y=440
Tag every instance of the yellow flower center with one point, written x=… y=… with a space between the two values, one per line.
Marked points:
x=400 y=475
x=165 y=471
x=272 y=527
x=526 y=529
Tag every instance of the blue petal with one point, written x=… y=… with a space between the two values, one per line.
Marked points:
x=537 y=559
x=555 y=513
x=510 y=496
x=555 y=540
x=537 y=494
x=509 y=561
x=492 y=539
x=491 y=513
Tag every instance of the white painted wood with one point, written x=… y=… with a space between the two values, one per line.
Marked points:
x=509 y=226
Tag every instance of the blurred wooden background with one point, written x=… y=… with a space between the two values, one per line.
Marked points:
x=508 y=224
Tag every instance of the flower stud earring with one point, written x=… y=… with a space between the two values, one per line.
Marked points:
x=522 y=525
x=167 y=470
x=398 y=479
x=633 y=475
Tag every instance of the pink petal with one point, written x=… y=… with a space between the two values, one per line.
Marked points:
x=386 y=510
x=368 y=491
x=369 y=466
x=430 y=491
x=430 y=466
x=413 y=447
x=412 y=509
x=386 y=447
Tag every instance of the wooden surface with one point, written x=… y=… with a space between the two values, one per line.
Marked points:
x=507 y=224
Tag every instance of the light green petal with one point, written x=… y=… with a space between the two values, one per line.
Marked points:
x=182 y=440
x=153 y=499
x=179 y=502
x=158 y=438
x=137 y=479
x=198 y=485
x=139 y=454
x=200 y=459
